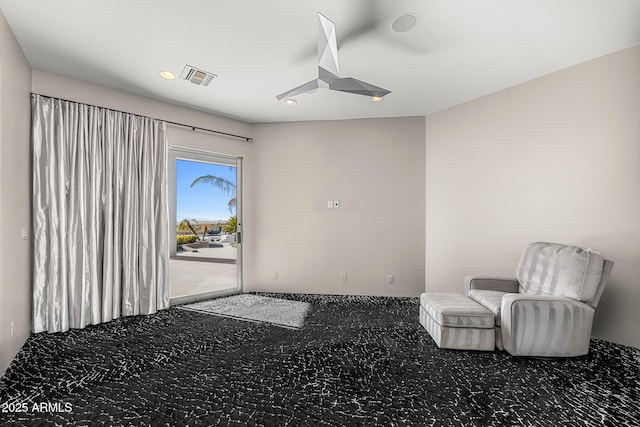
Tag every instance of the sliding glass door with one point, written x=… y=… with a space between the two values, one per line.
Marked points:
x=205 y=225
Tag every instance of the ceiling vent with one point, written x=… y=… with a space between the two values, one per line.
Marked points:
x=197 y=76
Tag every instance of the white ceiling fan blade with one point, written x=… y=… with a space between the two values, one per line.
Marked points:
x=358 y=87
x=327 y=47
x=307 y=87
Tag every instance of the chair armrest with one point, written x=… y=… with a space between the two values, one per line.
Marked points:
x=490 y=283
x=545 y=325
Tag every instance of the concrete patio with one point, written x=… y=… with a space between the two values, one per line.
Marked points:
x=203 y=272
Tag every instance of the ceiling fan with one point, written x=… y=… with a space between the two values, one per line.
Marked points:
x=329 y=69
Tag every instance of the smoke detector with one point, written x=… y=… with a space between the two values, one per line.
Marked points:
x=197 y=76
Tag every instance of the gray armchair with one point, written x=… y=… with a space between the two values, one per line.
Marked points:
x=547 y=309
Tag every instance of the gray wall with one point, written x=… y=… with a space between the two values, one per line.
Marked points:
x=555 y=159
x=15 y=193
x=375 y=168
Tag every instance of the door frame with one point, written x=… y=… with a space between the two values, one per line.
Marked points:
x=190 y=154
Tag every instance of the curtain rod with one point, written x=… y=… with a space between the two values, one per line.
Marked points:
x=194 y=128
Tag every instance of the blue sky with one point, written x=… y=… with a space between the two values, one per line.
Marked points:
x=202 y=202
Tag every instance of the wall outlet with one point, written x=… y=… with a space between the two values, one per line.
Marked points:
x=24 y=233
x=390 y=280
x=343 y=277
x=336 y=204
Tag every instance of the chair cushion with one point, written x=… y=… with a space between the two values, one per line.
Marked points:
x=456 y=310
x=555 y=269
x=489 y=299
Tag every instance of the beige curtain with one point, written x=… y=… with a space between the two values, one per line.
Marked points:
x=100 y=215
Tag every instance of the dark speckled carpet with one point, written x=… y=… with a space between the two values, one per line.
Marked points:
x=356 y=361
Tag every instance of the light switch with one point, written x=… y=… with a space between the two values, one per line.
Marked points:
x=336 y=204
x=25 y=233
x=330 y=204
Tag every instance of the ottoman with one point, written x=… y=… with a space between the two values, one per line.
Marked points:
x=457 y=322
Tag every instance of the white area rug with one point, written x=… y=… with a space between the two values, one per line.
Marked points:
x=255 y=308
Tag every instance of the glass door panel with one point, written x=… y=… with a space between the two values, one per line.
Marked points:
x=206 y=255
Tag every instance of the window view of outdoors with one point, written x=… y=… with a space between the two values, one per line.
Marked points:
x=205 y=210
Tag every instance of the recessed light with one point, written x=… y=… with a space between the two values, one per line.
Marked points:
x=376 y=98
x=290 y=102
x=404 y=23
x=167 y=75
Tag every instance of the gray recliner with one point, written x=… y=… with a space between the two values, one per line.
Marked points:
x=547 y=309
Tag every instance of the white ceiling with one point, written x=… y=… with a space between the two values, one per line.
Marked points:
x=460 y=49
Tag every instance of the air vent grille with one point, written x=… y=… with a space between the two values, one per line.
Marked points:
x=197 y=76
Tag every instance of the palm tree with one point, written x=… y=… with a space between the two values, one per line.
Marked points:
x=231 y=226
x=186 y=225
x=221 y=184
